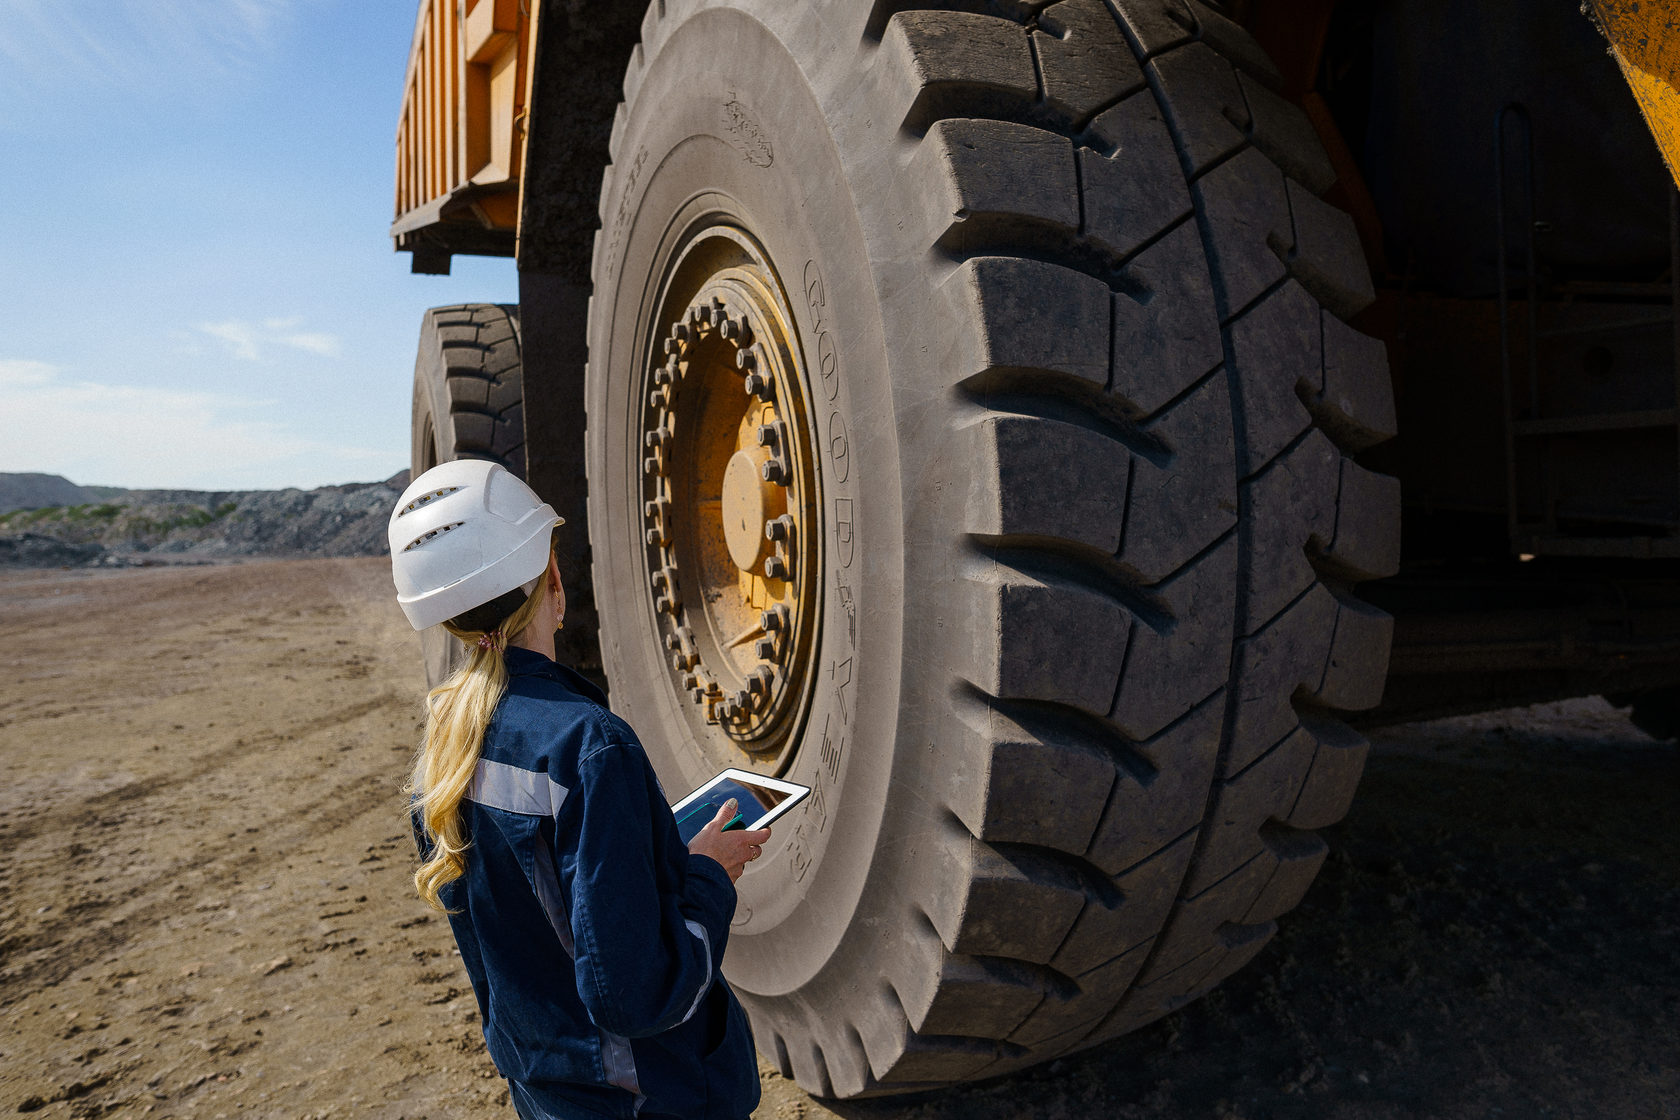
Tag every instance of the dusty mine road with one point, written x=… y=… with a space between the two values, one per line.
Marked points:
x=204 y=903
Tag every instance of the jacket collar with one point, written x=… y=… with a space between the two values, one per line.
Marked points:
x=523 y=662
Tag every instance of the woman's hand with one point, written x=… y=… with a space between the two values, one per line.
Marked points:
x=733 y=849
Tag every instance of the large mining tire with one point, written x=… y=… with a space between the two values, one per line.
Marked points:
x=468 y=404
x=1052 y=603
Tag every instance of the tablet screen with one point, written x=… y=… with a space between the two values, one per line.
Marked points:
x=758 y=801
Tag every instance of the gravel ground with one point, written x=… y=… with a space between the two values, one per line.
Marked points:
x=204 y=907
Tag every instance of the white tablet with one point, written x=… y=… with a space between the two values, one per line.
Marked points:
x=760 y=801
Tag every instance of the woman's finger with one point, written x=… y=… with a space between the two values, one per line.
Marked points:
x=726 y=813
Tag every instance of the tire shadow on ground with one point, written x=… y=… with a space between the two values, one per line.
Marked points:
x=1495 y=932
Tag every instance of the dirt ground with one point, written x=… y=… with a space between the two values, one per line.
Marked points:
x=204 y=902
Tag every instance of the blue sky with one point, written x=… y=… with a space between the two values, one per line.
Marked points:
x=198 y=287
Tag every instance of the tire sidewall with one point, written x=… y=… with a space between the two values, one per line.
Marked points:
x=749 y=143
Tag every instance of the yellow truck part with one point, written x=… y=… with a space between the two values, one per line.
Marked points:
x=460 y=138
x=1645 y=40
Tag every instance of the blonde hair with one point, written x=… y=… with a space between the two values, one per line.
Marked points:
x=458 y=712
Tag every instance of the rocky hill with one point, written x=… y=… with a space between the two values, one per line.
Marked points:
x=136 y=526
x=33 y=491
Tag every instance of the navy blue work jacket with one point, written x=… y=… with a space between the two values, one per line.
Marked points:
x=592 y=937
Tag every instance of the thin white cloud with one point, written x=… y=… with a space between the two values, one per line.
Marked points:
x=240 y=337
x=25 y=373
x=249 y=341
x=325 y=345
x=124 y=435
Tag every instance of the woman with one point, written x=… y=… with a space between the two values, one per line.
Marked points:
x=591 y=935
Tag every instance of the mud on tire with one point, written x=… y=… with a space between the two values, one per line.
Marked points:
x=1065 y=277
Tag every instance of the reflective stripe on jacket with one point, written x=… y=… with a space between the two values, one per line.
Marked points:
x=592 y=937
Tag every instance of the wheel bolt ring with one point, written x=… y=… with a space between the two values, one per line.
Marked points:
x=749 y=600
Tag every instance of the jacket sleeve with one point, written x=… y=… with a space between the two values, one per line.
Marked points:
x=645 y=959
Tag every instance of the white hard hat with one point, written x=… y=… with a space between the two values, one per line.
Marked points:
x=462 y=534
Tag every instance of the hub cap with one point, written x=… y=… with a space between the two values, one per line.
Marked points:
x=731 y=502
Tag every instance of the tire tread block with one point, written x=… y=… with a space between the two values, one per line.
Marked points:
x=1326 y=256
x=980 y=998
x=1282 y=131
x=1145 y=816
x=1266 y=790
x=1283 y=658
x=1025 y=784
x=1298 y=857
x=1203 y=102
x=1290 y=508
x=1170 y=671
x=1106 y=927
x=1327 y=790
x=1084 y=61
x=1357 y=666
x=1054 y=631
x=988 y=902
x=956 y=64
x=1277 y=346
x=1056 y=1024
x=1155 y=25
x=1354 y=404
x=1244 y=206
x=1045 y=478
x=942 y=993
x=1367 y=540
x=1195 y=926
x=1227 y=37
x=1177 y=510
x=1166 y=336
x=1131 y=188
x=979 y=180
x=1026 y=315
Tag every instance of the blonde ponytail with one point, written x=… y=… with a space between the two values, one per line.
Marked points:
x=458 y=712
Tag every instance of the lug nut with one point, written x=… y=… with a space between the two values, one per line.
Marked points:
x=776 y=568
x=671 y=347
x=681 y=333
x=776 y=618
x=769 y=435
x=665 y=588
x=745 y=360
x=758 y=384
x=780 y=528
x=765 y=649
x=762 y=680
x=773 y=471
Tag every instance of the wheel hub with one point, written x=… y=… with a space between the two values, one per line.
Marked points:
x=731 y=506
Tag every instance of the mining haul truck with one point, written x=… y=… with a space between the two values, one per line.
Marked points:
x=984 y=412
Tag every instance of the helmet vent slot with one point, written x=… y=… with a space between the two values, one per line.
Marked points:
x=429 y=496
x=435 y=533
